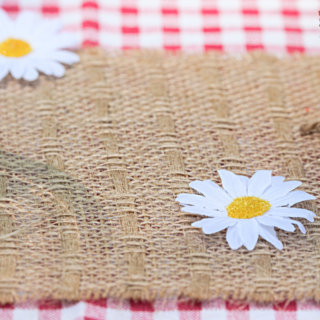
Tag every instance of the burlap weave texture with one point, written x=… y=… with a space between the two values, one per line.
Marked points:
x=91 y=164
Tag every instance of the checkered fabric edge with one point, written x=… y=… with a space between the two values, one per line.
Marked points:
x=112 y=310
x=278 y=26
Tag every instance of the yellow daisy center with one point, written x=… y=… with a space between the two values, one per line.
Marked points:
x=247 y=207
x=14 y=48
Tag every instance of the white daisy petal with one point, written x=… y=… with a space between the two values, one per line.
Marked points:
x=291 y=198
x=203 y=211
x=269 y=234
x=213 y=184
x=233 y=238
x=232 y=184
x=64 y=40
x=57 y=69
x=7 y=22
x=292 y=212
x=5 y=19
x=47 y=28
x=249 y=232
x=44 y=66
x=276 y=180
x=214 y=225
x=215 y=193
x=31 y=73
x=4 y=70
x=298 y=223
x=259 y=183
x=278 y=222
x=192 y=199
x=280 y=190
x=64 y=56
x=25 y=23
x=18 y=68
x=24 y=18
x=223 y=196
x=244 y=180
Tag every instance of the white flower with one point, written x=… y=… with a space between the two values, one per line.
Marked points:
x=29 y=43
x=247 y=207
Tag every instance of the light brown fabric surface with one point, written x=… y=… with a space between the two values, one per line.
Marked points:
x=91 y=164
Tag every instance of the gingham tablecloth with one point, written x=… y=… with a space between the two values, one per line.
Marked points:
x=277 y=26
x=160 y=310
x=193 y=25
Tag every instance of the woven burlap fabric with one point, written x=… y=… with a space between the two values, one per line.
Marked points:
x=91 y=164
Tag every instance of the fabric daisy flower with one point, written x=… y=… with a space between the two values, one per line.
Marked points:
x=30 y=44
x=247 y=207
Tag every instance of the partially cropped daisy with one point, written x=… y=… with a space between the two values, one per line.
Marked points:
x=247 y=207
x=30 y=44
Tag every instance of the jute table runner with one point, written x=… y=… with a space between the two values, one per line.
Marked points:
x=91 y=164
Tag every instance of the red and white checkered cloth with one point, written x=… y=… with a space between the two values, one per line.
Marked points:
x=277 y=26
x=111 y=310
